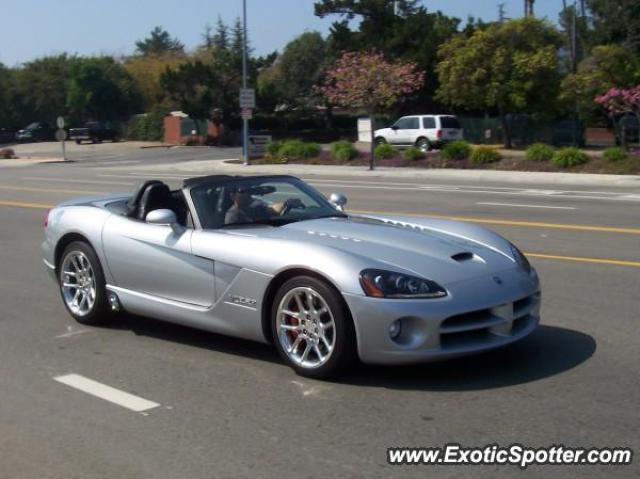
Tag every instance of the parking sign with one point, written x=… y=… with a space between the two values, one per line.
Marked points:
x=247 y=98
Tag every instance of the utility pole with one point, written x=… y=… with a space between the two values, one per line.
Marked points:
x=574 y=67
x=245 y=121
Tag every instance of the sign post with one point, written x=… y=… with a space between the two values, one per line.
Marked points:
x=249 y=94
x=247 y=103
x=61 y=136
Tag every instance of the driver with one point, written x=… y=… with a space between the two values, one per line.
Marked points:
x=246 y=209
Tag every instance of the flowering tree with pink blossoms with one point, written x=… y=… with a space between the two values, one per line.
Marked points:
x=621 y=101
x=367 y=81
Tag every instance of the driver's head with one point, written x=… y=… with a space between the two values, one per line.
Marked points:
x=241 y=196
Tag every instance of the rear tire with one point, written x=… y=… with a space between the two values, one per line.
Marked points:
x=312 y=328
x=82 y=284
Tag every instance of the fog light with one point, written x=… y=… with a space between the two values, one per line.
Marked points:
x=395 y=329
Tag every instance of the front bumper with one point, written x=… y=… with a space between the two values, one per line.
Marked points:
x=478 y=315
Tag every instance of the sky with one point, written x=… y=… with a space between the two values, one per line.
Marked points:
x=35 y=28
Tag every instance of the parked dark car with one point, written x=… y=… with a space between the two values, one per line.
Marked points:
x=7 y=135
x=627 y=126
x=95 y=132
x=37 y=131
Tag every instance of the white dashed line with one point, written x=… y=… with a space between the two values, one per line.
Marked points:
x=529 y=206
x=102 y=391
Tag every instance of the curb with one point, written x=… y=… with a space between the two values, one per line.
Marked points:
x=518 y=177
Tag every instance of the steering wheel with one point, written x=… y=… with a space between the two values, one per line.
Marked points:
x=292 y=204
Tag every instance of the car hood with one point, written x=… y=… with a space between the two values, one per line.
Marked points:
x=425 y=250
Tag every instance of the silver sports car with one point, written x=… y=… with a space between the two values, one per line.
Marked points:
x=268 y=258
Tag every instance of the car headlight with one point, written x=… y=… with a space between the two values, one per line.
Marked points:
x=387 y=284
x=521 y=259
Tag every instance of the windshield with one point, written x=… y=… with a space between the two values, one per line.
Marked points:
x=253 y=201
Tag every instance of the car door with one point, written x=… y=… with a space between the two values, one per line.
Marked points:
x=429 y=129
x=407 y=131
x=156 y=260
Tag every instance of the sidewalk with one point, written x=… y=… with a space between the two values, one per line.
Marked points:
x=210 y=167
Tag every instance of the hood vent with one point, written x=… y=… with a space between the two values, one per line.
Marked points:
x=464 y=256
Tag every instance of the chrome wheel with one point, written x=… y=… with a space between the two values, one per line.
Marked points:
x=423 y=145
x=78 y=283
x=305 y=327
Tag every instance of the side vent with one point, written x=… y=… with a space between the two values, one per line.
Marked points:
x=464 y=256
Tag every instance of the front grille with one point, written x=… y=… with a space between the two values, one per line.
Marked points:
x=480 y=327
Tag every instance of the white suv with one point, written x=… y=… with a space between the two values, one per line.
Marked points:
x=422 y=131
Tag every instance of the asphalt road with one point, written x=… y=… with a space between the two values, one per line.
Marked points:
x=229 y=408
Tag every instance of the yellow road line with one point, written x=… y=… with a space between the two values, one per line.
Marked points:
x=578 y=259
x=49 y=190
x=21 y=204
x=529 y=224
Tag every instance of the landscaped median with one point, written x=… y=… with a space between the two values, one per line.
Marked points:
x=457 y=154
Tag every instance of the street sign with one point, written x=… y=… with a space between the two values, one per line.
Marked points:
x=247 y=98
x=258 y=145
x=61 y=135
x=60 y=122
x=246 y=113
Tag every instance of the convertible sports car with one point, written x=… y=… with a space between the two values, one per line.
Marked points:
x=268 y=258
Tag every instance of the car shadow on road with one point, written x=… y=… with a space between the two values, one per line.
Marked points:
x=176 y=333
x=548 y=351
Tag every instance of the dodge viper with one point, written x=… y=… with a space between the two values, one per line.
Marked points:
x=270 y=259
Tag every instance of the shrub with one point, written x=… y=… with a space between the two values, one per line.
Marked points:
x=385 y=151
x=614 y=154
x=482 y=155
x=273 y=147
x=413 y=154
x=568 y=157
x=311 y=150
x=539 y=152
x=456 y=150
x=343 y=150
x=296 y=149
x=7 y=153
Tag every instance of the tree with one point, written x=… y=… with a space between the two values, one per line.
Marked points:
x=368 y=82
x=607 y=67
x=619 y=102
x=6 y=97
x=221 y=37
x=616 y=21
x=400 y=29
x=146 y=72
x=40 y=88
x=297 y=71
x=101 y=89
x=190 y=86
x=159 y=42
x=509 y=67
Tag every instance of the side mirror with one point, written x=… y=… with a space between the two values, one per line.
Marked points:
x=393 y=127
x=164 y=218
x=339 y=200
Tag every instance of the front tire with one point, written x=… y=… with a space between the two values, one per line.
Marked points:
x=312 y=328
x=380 y=140
x=82 y=284
x=423 y=145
